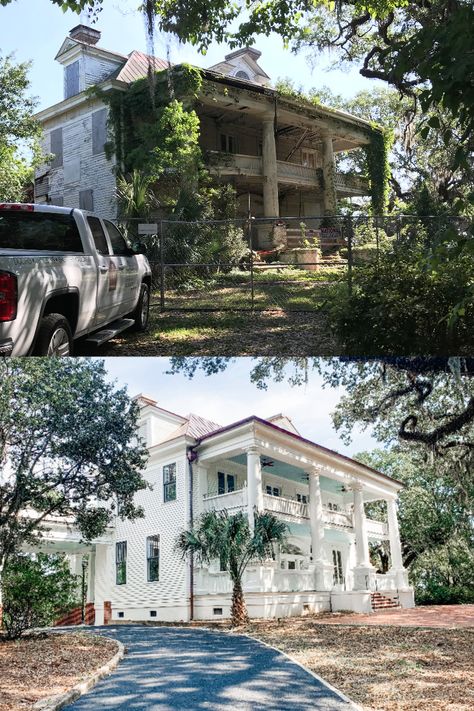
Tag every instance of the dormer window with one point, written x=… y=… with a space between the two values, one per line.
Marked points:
x=242 y=75
x=72 y=79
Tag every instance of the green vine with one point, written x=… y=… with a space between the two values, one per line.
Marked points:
x=378 y=167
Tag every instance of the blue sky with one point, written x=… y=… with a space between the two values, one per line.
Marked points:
x=34 y=30
x=229 y=397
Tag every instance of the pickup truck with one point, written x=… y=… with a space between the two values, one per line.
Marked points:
x=66 y=274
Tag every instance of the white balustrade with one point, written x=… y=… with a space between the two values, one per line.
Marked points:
x=376 y=529
x=288 y=507
x=231 y=501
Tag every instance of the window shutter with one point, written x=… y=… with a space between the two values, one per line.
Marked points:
x=72 y=79
x=86 y=200
x=99 y=131
x=57 y=147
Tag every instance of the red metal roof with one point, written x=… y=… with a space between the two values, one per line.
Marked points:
x=137 y=65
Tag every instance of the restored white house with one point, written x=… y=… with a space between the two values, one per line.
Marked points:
x=195 y=465
x=277 y=151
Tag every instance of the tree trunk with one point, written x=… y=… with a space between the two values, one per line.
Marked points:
x=238 y=610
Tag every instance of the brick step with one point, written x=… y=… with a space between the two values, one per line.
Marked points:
x=383 y=602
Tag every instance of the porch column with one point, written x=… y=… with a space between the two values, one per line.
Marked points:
x=90 y=577
x=364 y=571
x=329 y=176
x=270 y=170
x=102 y=580
x=322 y=569
x=254 y=484
x=396 y=567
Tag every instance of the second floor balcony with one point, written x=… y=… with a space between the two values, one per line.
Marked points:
x=235 y=164
x=291 y=510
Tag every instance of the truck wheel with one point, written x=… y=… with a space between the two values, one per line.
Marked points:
x=142 y=309
x=54 y=336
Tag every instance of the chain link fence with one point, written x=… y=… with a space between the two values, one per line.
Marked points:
x=289 y=263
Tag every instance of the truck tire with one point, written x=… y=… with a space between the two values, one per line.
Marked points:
x=142 y=309
x=54 y=336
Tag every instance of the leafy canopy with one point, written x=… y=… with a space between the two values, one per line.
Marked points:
x=67 y=447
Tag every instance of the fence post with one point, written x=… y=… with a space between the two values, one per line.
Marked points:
x=377 y=238
x=250 y=241
x=162 y=267
x=350 y=260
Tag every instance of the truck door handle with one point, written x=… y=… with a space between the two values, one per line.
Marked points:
x=121 y=267
x=103 y=269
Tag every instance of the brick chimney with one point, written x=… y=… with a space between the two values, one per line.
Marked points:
x=85 y=34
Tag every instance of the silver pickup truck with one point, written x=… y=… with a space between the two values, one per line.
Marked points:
x=66 y=274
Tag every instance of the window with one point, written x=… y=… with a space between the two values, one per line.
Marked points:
x=99 y=131
x=273 y=490
x=228 y=143
x=86 y=200
x=72 y=79
x=121 y=563
x=292 y=565
x=98 y=235
x=242 y=75
x=119 y=245
x=169 y=482
x=337 y=563
x=332 y=506
x=153 y=558
x=308 y=158
x=225 y=483
x=39 y=230
x=302 y=498
x=56 y=137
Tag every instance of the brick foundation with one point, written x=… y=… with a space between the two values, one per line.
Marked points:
x=74 y=617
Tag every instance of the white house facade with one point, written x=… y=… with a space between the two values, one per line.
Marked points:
x=136 y=574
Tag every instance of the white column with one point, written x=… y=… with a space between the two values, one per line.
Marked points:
x=364 y=572
x=102 y=579
x=91 y=577
x=270 y=169
x=316 y=516
x=202 y=483
x=329 y=176
x=323 y=572
x=254 y=484
x=396 y=568
x=360 y=525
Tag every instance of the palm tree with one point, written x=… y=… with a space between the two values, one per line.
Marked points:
x=228 y=537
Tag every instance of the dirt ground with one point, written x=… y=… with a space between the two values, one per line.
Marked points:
x=381 y=668
x=37 y=667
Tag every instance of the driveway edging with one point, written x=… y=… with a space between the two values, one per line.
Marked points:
x=54 y=703
x=322 y=681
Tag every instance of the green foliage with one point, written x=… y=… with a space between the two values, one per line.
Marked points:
x=36 y=591
x=378 y=151
x=226 y=537
x=413 y=300
x=68 y=442
x=19 y=131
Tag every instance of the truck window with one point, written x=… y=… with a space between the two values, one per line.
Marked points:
x=39 y=231
x=119 y=246
x=98 y=235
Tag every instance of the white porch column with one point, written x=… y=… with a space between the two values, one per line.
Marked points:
x=270 y=170
x=364 y=572
x=102 y=579
x=396 y=567
x=91 y=577
x=329 y=176
x=254 y=484
x=322 y=569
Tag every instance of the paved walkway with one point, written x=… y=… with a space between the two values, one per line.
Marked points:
x=456 y=616
x=171 y=668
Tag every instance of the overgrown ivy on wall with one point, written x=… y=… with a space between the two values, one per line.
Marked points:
x=378 y=166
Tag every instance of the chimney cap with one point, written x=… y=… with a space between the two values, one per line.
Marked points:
x=83 y=33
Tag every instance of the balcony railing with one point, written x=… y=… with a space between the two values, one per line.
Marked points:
x=287 y=507
x=232 y=501
x=290 y=173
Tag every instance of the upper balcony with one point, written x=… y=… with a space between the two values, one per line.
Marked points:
x=291 y=511
x=289 y=173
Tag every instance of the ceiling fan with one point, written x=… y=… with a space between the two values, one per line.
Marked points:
x=267 y=462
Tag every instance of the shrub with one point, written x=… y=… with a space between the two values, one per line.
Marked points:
x=36 y=591
x=406 y=304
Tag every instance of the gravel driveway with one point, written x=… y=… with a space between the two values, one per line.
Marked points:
x=172 y=668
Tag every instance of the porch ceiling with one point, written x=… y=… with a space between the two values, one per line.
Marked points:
x=288 y=471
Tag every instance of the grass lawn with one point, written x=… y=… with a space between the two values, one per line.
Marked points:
x=289 y=318
x=382 y=668
x=36 y=667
